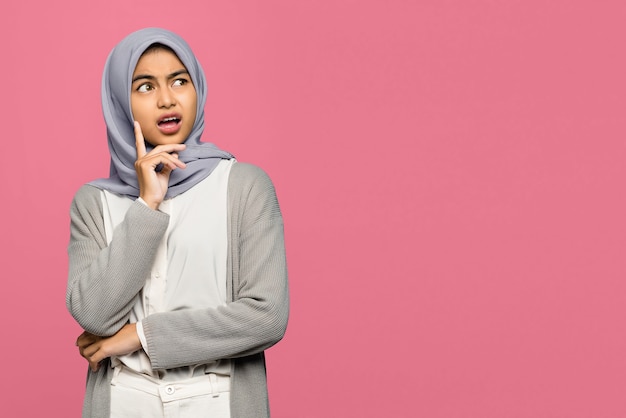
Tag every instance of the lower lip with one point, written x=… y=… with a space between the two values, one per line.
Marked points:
x=169 y=128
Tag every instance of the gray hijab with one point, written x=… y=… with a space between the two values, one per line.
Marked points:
x=201 y=157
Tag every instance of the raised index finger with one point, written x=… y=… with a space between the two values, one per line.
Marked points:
x=140 y=145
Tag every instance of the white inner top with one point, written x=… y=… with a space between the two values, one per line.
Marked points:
x=189 y=271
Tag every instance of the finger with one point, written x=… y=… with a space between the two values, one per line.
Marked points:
x=93 y=365
x=140 y=144
x=177 y=163
x=80 y=338
x=94 y=358
x=151 y=161
x=168 y=148
x=91 y=349
x=174 y=162
x=85 y=338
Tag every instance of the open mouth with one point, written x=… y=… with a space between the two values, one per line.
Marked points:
x=169 y=121
x=169 y=124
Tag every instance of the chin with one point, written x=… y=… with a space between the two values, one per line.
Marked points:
x=166 y=141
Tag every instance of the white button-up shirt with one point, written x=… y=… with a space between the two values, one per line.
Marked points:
x=189 y=271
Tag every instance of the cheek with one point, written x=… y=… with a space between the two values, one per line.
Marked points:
x=192 y=107
x=137 y=110
x=192 y=102
x=134 y=105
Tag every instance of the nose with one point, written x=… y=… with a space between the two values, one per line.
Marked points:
x=166 y=98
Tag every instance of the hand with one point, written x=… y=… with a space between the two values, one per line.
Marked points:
x=152 y=184
x=95 y=349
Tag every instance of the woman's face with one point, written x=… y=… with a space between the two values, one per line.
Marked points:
x=162 y=98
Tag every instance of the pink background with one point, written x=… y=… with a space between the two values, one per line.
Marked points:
x=451 y=174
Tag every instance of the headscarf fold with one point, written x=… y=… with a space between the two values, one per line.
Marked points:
x=201 y=157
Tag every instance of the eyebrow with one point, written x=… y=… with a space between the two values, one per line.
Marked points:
x=151 y=77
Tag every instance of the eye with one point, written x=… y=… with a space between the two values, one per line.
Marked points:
x=179 y=82
x=144 y=88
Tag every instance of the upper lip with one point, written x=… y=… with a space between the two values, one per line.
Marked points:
x=169 y=116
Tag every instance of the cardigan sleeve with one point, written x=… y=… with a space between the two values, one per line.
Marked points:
x=257 y=316
x=104 y=280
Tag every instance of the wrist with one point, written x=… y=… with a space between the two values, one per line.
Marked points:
x=151 y=204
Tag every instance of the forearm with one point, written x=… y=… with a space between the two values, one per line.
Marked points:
x=255 y=321
x=239 y=330
x=104 y=280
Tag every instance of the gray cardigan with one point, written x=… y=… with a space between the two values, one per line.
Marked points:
x=104 y=280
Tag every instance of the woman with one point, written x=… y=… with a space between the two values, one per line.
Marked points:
x=177 y=267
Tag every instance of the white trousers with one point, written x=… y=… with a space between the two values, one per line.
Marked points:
x=134 y=396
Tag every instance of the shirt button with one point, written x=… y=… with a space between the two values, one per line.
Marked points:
x=170 y=390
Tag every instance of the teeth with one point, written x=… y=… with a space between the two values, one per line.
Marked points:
x=169 y=120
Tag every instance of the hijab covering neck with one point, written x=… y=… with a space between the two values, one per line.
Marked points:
x=200 y=157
